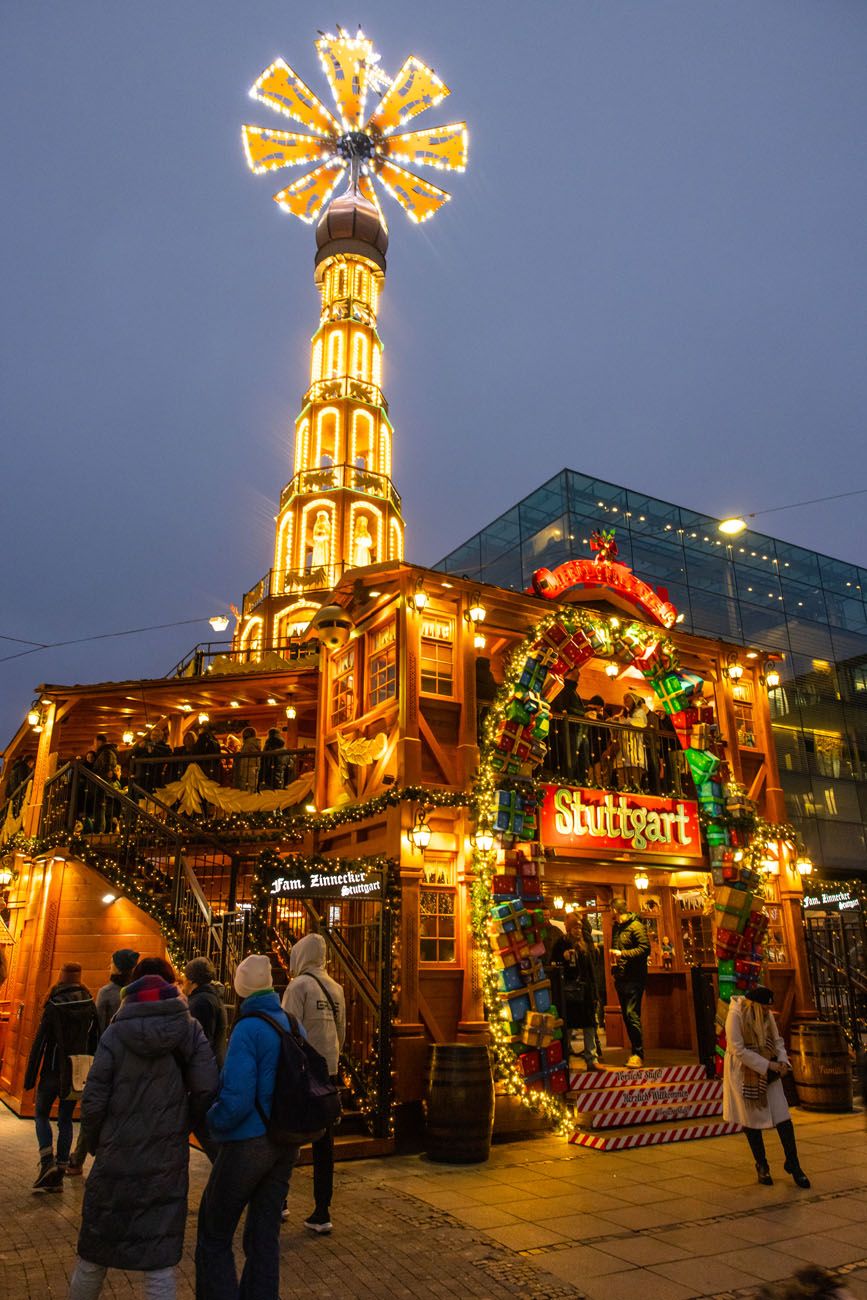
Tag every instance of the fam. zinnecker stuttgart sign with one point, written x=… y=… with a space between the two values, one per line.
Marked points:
x=595 y=819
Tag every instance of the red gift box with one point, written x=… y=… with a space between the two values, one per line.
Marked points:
x=529 y=1063
x=567 y=650
x=684 y=719
x=504 y=885
x=552 y=1055
x=556 y=1079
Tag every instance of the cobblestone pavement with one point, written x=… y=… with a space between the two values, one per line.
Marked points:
x=386 y=1243
x=541 y=1220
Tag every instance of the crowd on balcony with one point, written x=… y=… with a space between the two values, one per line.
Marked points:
x=623 y=746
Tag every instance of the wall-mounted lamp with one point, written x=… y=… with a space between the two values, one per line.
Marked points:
x=612 y=670
x=641 y=881
x=34 y=717
x=420 y=833
x=558 y=904
x=483 y=840
x=804 y=865
x=476 y=612
x=419 y=596
x=734 y=668
x=479 y=641
x=771 y=675
x=219 y=622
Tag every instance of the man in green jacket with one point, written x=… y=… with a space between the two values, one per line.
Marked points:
x=629 y=952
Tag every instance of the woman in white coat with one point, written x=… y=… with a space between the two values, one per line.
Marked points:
x=753 y=1096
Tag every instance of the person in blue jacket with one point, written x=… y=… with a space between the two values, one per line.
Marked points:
x=250 y=1171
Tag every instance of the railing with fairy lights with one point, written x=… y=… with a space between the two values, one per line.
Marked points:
x=612 y=755
x=346 y=387
x=188 y=876
x=838 y=978
x=328 y=478
x=220 y=656
x=253 y=773
x=359 y=939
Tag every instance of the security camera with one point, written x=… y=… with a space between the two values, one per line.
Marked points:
x=332 y=625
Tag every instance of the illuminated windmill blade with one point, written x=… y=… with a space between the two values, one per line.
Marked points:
x=367 y=191
x=268 y=150
x=345 y=63
x=418 y=198
x=306 y=197
x=414 y=89
x=444 y=147
x=281 y=88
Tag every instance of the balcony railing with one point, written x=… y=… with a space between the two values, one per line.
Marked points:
x=344 y=386
x=328 y=478
x=617 y=756
x=201 y=658
x=273 y=770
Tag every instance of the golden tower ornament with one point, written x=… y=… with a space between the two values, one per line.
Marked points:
x=340 y=510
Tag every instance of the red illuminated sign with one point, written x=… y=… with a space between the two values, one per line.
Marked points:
x=599 y=574
x=606 y=821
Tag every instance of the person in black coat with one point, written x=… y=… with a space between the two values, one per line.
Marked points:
x=67 y=1028
x=629 y=952
x=205 y=1000
x=153 y=1076
x=577 y=955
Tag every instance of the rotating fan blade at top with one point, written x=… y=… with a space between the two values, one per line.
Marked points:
x=415 y=88
x=269 y=150
x=281 y=88
x=345 y=62
x=418 y=198
x=306 y=197
x=444 y=147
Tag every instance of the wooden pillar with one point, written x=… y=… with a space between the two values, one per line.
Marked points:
x=408 y=1032
x=791 y=894
x=775 y=799
x=41 y=771
x=472 y=1025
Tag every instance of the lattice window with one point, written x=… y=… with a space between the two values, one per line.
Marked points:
x=438 y=655
x=437 y=906
x=343 y=688
x=382 y=666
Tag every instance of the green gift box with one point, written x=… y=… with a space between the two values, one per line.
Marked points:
x=702 y=765
x=715 y=833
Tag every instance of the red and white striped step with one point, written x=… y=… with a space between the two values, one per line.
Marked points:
x=648 y=1094
x=622 y=1140
x=651 y=1114
x=646 y=1107
x=581 y=1080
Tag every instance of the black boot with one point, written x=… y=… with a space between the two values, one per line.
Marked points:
x=757 y=1146
x=49 y=1178
x=792 y=1166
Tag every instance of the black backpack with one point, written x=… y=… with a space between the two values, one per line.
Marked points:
x=305 y=1101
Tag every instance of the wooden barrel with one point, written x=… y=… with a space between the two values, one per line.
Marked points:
x=460 y=1104
x=821 y=1066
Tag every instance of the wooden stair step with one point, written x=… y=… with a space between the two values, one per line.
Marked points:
x=352 y=1146
x=620 y=1077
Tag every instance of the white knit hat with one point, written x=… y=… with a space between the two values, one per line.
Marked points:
x=252 y=975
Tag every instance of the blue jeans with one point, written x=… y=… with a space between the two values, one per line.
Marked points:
x=47 y=1092
x=87 y=1280
x=254 y=1174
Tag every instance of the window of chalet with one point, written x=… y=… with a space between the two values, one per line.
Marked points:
x=438 y=655
x=382 y=665
x=437 y=899
x=343 y=687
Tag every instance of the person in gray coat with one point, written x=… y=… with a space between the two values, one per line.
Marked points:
x=152 y=1078
x=317 y=1002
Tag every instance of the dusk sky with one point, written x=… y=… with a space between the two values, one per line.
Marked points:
x=654 y=271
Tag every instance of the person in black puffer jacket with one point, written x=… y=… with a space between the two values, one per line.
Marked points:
x=68 y=1027
x=153 y=1076
x=205 y=1000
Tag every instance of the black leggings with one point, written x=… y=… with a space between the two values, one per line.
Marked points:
x=786 y=1131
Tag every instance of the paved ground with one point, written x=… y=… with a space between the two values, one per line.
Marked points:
x=541 y=1220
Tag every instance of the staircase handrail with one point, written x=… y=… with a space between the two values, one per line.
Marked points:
x=825 y=957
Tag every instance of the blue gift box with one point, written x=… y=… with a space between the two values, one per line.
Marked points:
x=510 y=978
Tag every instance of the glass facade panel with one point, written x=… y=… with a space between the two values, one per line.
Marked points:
x=754 y=590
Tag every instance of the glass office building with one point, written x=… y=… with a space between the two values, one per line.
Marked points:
x=751 y=590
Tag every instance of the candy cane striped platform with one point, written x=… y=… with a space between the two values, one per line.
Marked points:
x=651 y=1137
x=582 y=1080
x=648 y=1094
x=650 y=1114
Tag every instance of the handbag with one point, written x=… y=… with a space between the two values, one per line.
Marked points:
x=330 y=1001
x=79 y=1067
